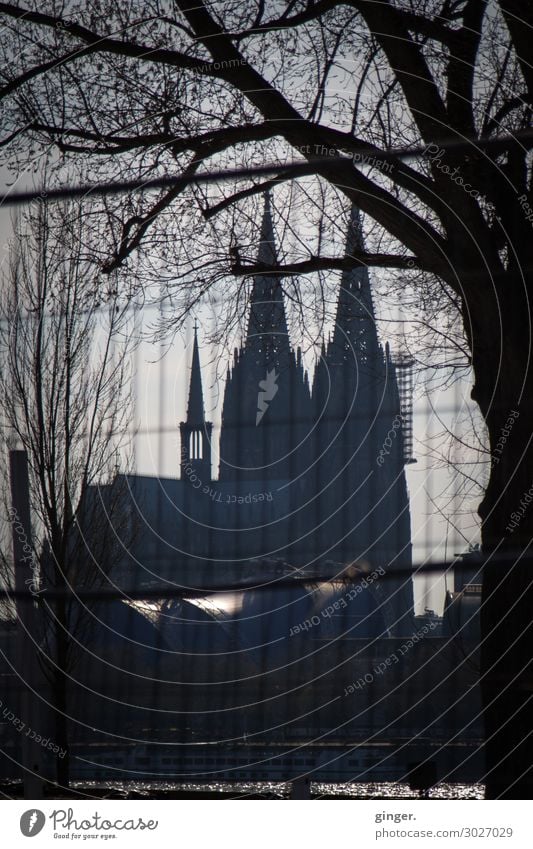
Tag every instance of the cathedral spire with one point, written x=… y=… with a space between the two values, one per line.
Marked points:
x=195 y=408
x=355 y=333
x=196 y=432
x=267 y=324
x=267 y=244
x=267 y=407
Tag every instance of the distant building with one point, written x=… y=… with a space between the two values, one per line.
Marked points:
x=462 y=606
x=311 y=478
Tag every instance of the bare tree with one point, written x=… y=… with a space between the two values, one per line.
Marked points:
x=64 y=380
x=160 y=87
x=167 y=88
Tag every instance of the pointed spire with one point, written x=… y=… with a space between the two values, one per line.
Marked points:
x=354 y=240
x=356 y=281
x=267 y=322
x=195 y=409
x=251 y=446
x=267 y=245
x=355 y=331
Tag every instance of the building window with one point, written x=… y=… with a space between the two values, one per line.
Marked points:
x=196 y=445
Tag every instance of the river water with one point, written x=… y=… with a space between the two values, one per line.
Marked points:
x=374 y=790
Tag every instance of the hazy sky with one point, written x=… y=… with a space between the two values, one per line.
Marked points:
x=161 y=385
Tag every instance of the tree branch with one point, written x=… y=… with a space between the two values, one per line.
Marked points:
x=256 y=189
x=129 y=244
x=430 y=27
x=215 y=140
x=327 y=263
x=98 y=44
x=407 y=62
x=462 y=67
x=519 y=19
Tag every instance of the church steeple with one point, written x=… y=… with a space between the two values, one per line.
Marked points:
x=267 y=411
x=267 y=244
x=195 y=409
x=355 y=335
x=267 y=324
x=195 y=432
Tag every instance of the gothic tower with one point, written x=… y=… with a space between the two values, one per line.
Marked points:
x=362 y=498
x=195 y=432
x=267 y=406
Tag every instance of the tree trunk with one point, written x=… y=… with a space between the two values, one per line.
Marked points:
x=504 y=390
x=60 y=694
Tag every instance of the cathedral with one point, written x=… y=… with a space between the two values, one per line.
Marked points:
x=312 y=474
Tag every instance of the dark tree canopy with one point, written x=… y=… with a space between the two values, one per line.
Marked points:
x=163 y=87
x=135 y=90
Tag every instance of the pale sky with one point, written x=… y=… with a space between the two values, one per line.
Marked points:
x=161 y=405
x=160 y=387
